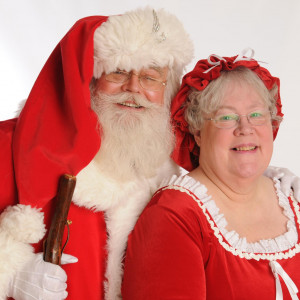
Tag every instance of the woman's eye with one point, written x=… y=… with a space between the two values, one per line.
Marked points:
x=226 y=118
x=256 y=115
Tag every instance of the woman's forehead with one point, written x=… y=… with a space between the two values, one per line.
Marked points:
x=242 y=92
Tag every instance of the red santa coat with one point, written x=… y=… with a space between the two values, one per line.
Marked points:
x=57 y=133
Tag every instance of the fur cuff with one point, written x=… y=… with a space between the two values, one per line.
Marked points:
x=20 y=225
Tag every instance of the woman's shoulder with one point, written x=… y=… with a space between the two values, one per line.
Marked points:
x=179 y=193
x=183 y=183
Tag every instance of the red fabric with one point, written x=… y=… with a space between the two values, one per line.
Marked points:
x=87 y=232
x=57 y=133
x=87 y=242
x=179 y=257
x=186 y=148
x=8 y=191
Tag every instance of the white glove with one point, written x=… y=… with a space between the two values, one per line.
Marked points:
x=41 y=280
x=287 y=178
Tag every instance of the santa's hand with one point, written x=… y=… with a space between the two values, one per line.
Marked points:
x=288 y=180
x=41 y=280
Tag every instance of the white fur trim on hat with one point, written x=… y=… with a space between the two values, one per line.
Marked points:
x=20 y=225
x=141 y=38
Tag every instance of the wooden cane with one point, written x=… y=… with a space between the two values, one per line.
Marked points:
x=53 y=243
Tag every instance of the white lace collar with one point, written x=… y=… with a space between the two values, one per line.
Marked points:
x=230 y=240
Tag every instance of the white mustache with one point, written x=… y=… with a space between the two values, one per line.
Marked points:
x=126 y=96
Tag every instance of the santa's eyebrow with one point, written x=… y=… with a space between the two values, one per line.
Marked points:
x=156 y=68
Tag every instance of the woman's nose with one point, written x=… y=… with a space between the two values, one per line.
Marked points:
x=244 y=127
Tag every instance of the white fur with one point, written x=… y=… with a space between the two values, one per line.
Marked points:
x=20 y=225
x=122 y=202
x=133 y=141
x=127 y=42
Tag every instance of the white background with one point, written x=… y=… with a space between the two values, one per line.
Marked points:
x=30 y=29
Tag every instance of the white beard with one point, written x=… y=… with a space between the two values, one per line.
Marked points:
x=134 y=142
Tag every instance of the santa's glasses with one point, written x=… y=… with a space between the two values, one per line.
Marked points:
x=150 y=79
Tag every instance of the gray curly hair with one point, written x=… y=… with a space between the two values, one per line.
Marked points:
x=206 y=102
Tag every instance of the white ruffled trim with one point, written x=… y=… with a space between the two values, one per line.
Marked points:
x=280 y=243
x=271 y=249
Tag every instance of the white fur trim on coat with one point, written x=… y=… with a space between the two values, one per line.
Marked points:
x=20 y=225
x=122 y=203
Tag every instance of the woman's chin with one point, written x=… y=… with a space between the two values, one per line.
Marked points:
x=249 y=171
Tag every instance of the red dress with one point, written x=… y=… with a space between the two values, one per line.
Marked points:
x=177 y=251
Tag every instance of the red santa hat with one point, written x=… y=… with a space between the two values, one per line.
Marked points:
x=186 y=152
x=57 y=131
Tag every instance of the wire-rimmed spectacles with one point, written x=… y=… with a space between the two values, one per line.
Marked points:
x=146 y=78
x=255 y=118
